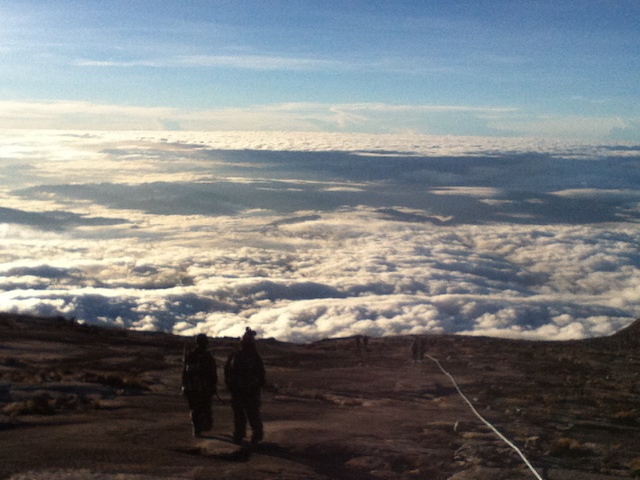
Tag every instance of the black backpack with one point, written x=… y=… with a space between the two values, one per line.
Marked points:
x=197 y=373
x=244 y=372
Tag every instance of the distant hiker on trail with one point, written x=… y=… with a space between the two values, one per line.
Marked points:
x=244 y=376
x=199 y=379
x=418 y=349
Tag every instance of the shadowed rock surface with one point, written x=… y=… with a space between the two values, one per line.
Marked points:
x=81 y=402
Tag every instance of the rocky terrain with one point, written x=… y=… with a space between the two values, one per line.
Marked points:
x=81 y=402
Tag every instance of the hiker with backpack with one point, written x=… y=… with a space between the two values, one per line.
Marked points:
x=199 y=379
x=244 y=376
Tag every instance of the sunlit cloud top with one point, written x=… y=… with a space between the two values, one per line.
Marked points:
x=312 y=235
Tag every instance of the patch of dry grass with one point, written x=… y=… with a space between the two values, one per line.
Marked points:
x=44 y=403
x=120 y=382
x=634 y=467
x=626 y=417
x=569 y=447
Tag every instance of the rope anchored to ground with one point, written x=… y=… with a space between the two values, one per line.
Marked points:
x=486 y=422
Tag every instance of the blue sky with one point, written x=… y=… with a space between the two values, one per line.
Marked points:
x=497 y=68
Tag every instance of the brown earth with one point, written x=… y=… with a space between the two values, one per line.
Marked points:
x=80 y=402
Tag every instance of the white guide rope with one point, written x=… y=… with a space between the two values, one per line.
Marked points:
x=505 y=439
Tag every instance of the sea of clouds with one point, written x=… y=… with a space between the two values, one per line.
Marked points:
x=309 y=236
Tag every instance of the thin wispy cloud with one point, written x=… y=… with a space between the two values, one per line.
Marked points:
x=305 y=116
x=274 y=62
x=248 y=62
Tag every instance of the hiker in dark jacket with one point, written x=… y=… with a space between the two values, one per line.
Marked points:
x=244 y=376
x=199 y=378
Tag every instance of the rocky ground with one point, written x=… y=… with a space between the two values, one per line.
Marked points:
x=80 y=402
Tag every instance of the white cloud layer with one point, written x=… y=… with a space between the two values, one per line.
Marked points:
x=307 y=236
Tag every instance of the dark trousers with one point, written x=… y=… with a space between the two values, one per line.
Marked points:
x=201 y=412
x=246 y=406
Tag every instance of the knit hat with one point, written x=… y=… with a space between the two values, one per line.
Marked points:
x=249 y=336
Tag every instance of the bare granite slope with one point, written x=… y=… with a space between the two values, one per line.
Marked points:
x=628 y=337
x=81 y=402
